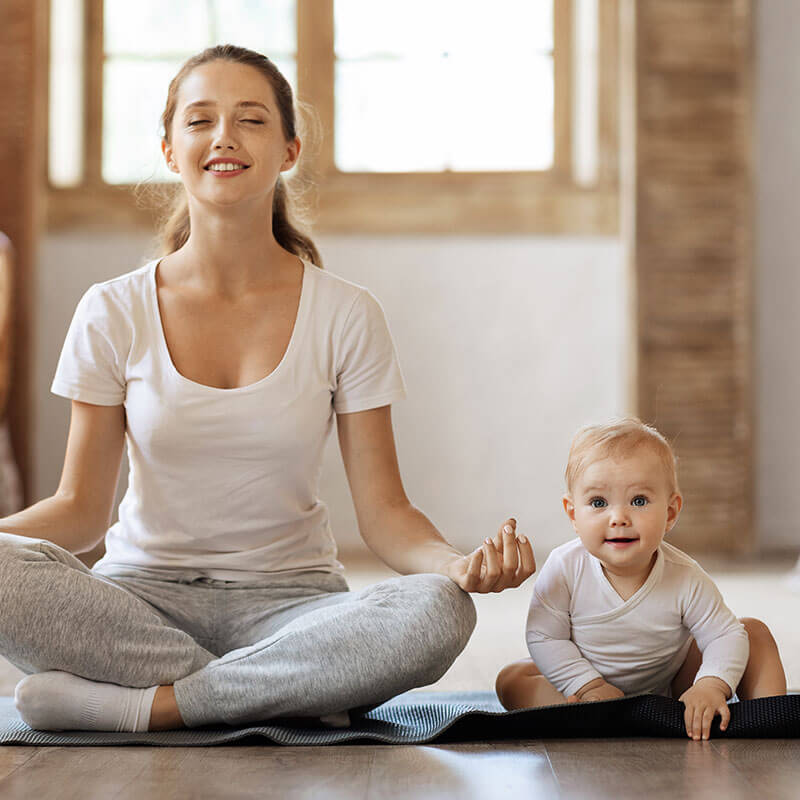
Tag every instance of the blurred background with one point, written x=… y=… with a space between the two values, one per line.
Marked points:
x=569 y=209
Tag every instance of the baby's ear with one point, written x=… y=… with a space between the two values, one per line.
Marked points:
x=569 y=507
x=673 y=509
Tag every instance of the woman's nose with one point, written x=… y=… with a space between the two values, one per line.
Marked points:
x=223 y=138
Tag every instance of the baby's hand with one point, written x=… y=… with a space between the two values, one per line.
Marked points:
x=703 y=702
x=598 y=689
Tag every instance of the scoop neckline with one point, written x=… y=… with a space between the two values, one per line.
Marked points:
x=298 y=323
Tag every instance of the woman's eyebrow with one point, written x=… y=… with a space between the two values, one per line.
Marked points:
x=242 y=104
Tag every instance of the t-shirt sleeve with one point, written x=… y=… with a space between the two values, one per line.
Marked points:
x=368 y=371
x=91 y=365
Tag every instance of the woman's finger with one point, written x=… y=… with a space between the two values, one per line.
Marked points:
x=472 y=576
x=492 y=561
x=688 y=715
x=527 y=563
x=498 y=538
x=510 y=554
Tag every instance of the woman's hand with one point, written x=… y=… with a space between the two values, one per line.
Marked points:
x=500 y=563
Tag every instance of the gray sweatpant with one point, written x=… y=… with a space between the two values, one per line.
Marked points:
x=285 y=645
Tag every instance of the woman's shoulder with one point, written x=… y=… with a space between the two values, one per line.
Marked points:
x=336 y=286
x=123 y=291
x=345 y=304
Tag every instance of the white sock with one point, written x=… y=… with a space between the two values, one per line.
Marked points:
x=58 y=701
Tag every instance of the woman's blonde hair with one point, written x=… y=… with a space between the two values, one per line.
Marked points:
x=618 y=438
x=289 y=211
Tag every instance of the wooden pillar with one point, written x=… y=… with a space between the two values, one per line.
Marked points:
x=688 y=225
x=22 y=66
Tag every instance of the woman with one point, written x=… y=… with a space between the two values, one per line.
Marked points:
x=220 y=598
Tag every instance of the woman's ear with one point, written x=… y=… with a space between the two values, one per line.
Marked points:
x=569 y=507
x=292 y=154
x=166 y=149
x=673 y=509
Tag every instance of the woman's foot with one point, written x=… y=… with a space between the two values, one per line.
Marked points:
x=58 y=701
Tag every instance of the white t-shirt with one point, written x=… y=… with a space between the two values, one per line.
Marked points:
x=580 y=629
x=226 y=480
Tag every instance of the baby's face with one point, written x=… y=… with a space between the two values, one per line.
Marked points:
x=621 y=508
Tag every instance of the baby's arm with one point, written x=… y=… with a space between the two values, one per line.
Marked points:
x=548 y=632
x=723 y=641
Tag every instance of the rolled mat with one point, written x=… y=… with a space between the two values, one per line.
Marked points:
x=423 y=717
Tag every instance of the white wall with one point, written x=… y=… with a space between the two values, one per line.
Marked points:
x=507 y=345
x=777 y=283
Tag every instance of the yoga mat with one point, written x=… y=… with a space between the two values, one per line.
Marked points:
x=423 y=717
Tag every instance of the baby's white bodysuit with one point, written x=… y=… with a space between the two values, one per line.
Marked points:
x=580 y=629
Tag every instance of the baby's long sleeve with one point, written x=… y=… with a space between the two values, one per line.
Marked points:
x=548 y=631
x=722 y=639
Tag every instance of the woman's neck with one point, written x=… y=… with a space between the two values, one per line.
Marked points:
x=231 y=254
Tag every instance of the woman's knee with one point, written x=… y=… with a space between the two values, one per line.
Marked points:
x=449 y=608
x=13 y=546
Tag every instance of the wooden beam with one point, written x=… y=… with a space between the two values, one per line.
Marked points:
x=22 y=56
x=688 y=225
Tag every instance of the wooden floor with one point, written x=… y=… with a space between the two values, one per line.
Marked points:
x=610 y=768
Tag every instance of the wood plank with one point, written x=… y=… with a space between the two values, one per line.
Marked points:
x=771 y=764
x=247 y=771
x=84 y=772
x=618 y=769
x=502 y=769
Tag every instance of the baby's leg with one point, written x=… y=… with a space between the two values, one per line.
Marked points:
x=521 y=685
x=763 y=676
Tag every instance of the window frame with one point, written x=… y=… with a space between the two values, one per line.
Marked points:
x=523 y=202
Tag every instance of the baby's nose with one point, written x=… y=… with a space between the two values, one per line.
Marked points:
x=619 y=520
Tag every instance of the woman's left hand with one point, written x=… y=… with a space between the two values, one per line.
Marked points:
x=500 y=563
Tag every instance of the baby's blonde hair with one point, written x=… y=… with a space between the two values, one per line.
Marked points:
x=618 y=438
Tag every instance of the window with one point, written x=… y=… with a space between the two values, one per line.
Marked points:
x=419 y=133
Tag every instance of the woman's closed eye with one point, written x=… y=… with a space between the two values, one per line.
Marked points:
x=201 y=121
x=598 y=502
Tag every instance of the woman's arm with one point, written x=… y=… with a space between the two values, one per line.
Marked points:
x=403 y=536
x=77 y=515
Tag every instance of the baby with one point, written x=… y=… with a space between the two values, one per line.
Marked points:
x=618 y=611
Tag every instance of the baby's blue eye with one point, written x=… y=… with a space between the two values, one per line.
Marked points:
x=640 y=500
x=597 y=502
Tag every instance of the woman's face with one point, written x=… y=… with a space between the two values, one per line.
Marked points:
x=226 y=112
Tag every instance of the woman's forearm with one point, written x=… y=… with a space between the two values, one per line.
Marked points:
x=57 y=519
x=405 y=539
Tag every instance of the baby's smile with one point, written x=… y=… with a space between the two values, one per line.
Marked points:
x=621 y=541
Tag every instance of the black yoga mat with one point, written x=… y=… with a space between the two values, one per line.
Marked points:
x=422 y=717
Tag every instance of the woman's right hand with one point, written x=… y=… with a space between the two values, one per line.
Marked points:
x=500 y=563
